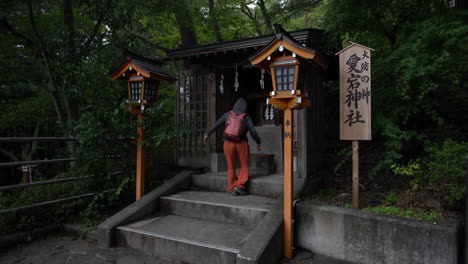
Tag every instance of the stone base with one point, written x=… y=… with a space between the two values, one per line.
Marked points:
x=259 y=164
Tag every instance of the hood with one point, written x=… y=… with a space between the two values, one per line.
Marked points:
x=240 y=106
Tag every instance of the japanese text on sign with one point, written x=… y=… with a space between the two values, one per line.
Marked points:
x=355 y=92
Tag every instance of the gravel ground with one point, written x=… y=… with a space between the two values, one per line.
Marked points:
x=65 y=249
x=69 y=250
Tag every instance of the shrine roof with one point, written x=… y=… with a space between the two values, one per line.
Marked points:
x=309 y=37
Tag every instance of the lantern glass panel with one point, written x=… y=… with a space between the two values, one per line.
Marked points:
x=284 y=78
x=150 y=91
x=135 y=90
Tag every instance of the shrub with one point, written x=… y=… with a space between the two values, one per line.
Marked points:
x=442 y=168
x=410 y=213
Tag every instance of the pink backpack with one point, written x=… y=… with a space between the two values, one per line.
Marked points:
x=234 y=127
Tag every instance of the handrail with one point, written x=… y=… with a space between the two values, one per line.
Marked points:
x=4 y=211
x=25 y=139
x=38 y=139
x=27 y=185
x=34 y=162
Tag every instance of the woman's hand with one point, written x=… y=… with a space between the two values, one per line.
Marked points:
x=259 y=147
x=205 y=139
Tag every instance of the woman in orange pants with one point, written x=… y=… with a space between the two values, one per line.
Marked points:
x=238 y=150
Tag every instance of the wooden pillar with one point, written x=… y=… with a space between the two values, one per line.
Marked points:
x=355 y=174
x=288 y=182
x=140 y=168
x=466 y=213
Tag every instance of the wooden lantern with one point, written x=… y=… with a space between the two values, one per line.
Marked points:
x=144 y=77
x=284 y=58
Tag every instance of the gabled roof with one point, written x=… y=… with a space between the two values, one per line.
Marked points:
x=146 y=67
x=260 y=58
x=304 y=36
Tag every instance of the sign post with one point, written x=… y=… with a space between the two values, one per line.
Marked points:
x=355 y=102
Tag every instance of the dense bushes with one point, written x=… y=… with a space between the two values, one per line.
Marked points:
x=442 y=169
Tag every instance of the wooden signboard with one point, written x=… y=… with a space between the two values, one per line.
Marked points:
x=355 y=102
x=355 y=92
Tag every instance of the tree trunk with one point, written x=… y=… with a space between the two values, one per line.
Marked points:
x=214 y=21
x=266 y=17
x=246 y=10
x=186 y=25
x=71 y=102
x=69 y=24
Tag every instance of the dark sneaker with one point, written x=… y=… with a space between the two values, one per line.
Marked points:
x=240 y=190
x=234 y=193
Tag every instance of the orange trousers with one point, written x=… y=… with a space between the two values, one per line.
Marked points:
x=234 y=151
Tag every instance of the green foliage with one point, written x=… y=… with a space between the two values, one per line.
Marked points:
x=410 y=213
x=409 y=170
x=346 y=155
x=391 y=198
x=33 y=218
x=324 y=192
x=443 y=168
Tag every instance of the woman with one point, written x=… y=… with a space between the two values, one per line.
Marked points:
x=236 y=146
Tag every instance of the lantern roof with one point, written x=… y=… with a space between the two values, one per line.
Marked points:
x=147 y=68
x=284 y=39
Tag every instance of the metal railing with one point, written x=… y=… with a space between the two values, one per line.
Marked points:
x=55 y=181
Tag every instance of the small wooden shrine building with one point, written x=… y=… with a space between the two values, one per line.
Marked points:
x=216 y=75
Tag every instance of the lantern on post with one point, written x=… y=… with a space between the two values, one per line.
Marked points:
x=144 y=77
x=286 y=60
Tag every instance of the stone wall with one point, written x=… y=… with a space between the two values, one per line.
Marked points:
x=365 y=237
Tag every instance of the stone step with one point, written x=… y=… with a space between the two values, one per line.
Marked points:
x=185 y=239
x=270 y=185
x=217 y=206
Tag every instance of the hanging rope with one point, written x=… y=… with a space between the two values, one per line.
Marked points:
x=262 y=79
x=236 y=82
x=267 y=112
x=221 y=80
x=272 y=113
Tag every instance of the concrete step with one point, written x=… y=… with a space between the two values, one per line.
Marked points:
x=218 y=206
x=270 y=185
x=302 y=256
x=185 y=239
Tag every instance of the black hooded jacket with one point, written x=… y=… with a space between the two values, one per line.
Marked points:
x=239 y=107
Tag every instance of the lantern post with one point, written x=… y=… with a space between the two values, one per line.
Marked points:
x=284 y=58
x=143 y=77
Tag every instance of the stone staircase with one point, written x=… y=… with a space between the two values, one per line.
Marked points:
x=205 y=224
